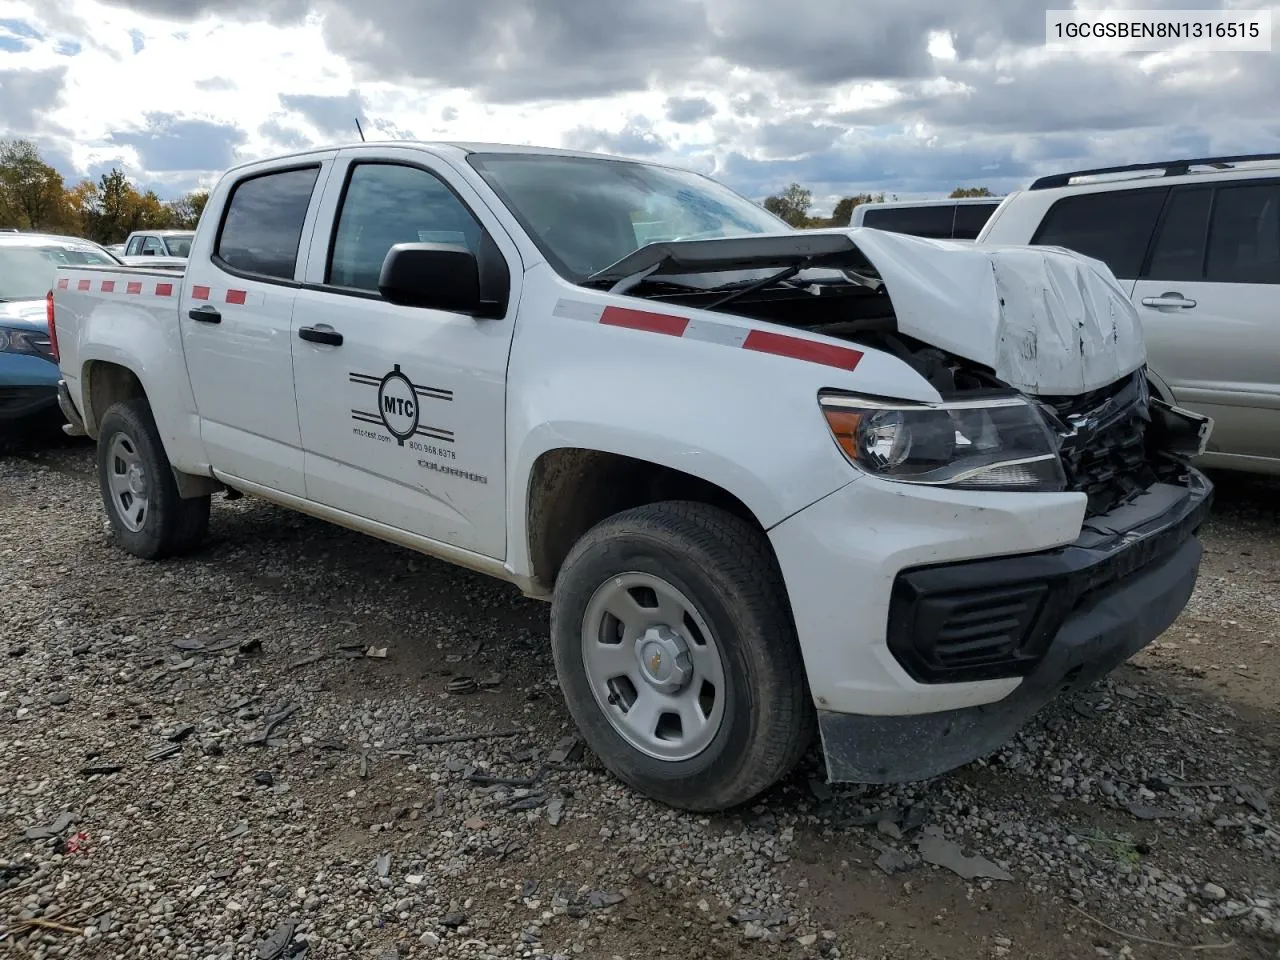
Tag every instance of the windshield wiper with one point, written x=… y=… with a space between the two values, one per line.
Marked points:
x=768 y=281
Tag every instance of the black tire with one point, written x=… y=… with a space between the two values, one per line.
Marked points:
x=170 y=525
x=725 y=567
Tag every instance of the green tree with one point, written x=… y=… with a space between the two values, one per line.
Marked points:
x=842 y=215
x=792 y=205
x=959 y=192
x=113 y=208
x=32 y=195
x=186 y=210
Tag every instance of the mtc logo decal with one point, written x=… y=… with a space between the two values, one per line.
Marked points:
x=399 y=406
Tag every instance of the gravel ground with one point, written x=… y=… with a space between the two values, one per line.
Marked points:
x=200 y=754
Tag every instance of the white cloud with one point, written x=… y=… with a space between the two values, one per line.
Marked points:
x=970 y=100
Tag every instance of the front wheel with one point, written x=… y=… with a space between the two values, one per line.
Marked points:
x=674 y=645
x=147 y=516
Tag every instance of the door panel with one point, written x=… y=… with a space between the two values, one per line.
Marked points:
x=235 y=320
x=403 y=422
x=1211 y=318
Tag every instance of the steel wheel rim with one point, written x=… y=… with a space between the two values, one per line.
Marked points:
x=128 y=482
x=654 y=666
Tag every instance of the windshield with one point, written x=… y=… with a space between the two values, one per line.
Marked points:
x=28 y=270
x=179 y=246
x=586 y=213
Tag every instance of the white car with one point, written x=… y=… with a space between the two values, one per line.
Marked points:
x=1196 y=246
x=167 y=244
x=955 y=218
x=907 y=489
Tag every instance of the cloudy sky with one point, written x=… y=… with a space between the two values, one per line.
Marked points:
x=911 y=96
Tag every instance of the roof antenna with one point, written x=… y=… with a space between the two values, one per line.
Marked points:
x=359 y=130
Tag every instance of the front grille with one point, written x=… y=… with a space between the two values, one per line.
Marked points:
x=1102 y=439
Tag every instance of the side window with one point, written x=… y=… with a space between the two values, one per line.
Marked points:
x=386 y=204
x=1178 y=253
x=1113 y=226
x=262 y=227
x=918 y=221
x=970 y=219
x=135 y=247
x=151 y=247
x=1244 y=237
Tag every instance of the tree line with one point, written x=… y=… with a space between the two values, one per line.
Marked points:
x=793 y=205
x=33 y=196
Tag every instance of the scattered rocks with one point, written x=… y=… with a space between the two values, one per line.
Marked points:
x=481 y=827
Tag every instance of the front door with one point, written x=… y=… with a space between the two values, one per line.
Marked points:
x=403 y=421
x=1210 y=306
x=235 y=314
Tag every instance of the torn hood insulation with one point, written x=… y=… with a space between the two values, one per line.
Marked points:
x=1047 y=320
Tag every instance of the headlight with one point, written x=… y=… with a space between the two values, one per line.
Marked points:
x=1000 y=443
x=21 y=341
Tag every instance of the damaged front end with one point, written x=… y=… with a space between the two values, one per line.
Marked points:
x=1037 y=358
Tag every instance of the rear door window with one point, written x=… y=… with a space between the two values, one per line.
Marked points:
x=1178 y=253
x=918 y=221
x=1244 y=236
x=1113 y=226
x=970 y=219
x=262 y=228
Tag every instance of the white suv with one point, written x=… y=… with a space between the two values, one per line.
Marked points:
x=1197 y=245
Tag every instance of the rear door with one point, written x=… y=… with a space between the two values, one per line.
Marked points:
x=236 y=310
x=1114 y=226
x=1210 y=303
x=403 y=421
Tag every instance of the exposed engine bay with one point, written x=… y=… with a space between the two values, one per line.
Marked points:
x=1114 y=440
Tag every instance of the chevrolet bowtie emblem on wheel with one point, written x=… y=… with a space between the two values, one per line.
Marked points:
x=399 y=407
x=655 y=662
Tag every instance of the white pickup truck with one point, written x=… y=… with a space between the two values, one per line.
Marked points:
x=902 y=489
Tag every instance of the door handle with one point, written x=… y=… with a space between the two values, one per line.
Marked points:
x=1168 y=300
x=205 y=314
x=321 y=334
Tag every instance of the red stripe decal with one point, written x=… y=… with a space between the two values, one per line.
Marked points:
x=108 y=286
x=62 y=283
x=643 y=320
x=780 y=344
x=164 y=289
x=82 y=285
x=236 y=296
x=200 y=293
x=135 y=286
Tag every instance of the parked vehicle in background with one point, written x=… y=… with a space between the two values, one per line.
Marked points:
x=959 y=218
x=116 y=248
x=159 y=243
x=28 y=368
x=1196 y=245
x=903 y=490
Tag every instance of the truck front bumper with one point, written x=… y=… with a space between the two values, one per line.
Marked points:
x=940 y=659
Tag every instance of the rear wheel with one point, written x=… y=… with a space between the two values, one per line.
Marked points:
x=674 y=645
x=147 y=516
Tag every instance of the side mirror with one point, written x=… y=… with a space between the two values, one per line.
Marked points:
x=442 y=276
x=148 y=253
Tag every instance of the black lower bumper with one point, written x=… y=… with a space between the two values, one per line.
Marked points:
x=1096 y=603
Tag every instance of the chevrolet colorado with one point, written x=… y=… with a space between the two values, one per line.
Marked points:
x=900 y=490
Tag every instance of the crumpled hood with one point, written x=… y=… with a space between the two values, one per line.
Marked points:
x=25 y=313
x=1048 y=320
